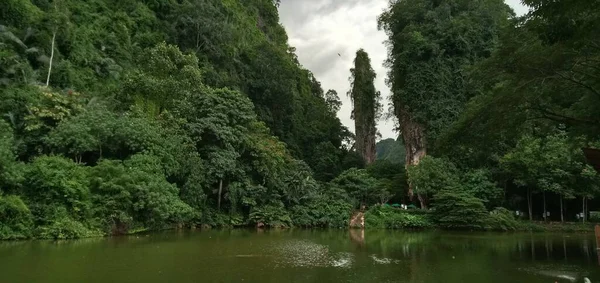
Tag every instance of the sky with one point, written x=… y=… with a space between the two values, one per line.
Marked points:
x=320 y=29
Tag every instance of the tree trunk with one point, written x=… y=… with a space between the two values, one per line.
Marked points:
x=423 y=201
x=413 y=135
x=529 y=204
x=583 y=209
x=220 y=191
x=545 y=213
x=562 y=217
x=51 y=58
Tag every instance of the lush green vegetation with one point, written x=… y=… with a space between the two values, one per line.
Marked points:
x=366 y=106
x=494 y=109
x=126 y=116
x=388 y=217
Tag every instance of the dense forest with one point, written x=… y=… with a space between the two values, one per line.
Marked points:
x=495 y=110
x=124 y=116
x=120 y=116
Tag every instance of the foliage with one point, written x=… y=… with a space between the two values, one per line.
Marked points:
x=65 y=227
x=361 y=187
x=392 y=180
x=9 y=170
x=387 y=217
x=273 y=215
x=366 y=105
x=479 y=183
x=391 y=150
x=432 y=175
x=135 y=193
x=168 y=113
x=331 y=209
x=432 y=44
x=16 y=220
x=56 y=187
x=456 y=209
x=502 y=219
x=163 y=75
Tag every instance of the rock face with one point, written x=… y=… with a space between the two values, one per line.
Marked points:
x=358 y=220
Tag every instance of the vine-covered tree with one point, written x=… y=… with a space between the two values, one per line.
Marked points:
x=431 y=46
x=366 y=103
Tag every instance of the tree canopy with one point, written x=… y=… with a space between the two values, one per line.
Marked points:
x=122 y=116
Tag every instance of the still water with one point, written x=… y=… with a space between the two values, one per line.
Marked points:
x=305 y=256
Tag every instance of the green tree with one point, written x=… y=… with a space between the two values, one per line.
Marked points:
x=458 y=209
x=16 y=221
x=480 y=184
x=56 y=190
x=430 y=176
x=333 y=101
x=134 y=194
x=9 y=170
x=361 y=187
x=391 y=150
x=164 y=75
x=392 y=179
x=218 y=122
x=553 y=163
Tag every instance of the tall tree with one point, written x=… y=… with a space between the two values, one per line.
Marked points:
x=367 y=107
x=432 y=44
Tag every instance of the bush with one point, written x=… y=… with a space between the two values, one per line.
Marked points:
x=385 y=217
x=66 y=227
x=457 y=209
x=431 y=175
x=502 y=219
x=134 y=194
x=214 y=218
x=16 y=220
x=594 y=216
x=272 y=215
x=357 y=183
x=556 y=226
x=323 y=212
x=52 y=182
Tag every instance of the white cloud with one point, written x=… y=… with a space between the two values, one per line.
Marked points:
x=320 y=29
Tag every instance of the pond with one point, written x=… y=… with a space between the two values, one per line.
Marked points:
x=305 y=256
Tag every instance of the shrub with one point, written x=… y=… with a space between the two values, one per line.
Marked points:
x=502 y=219
x=272 y=215
x=361 y=187
x=457 y=209
x=322 y=212
x=16 y=220
x=135 y=194
x=52 y=182
x=432 y=174
x=66 y=228
x=385 y=217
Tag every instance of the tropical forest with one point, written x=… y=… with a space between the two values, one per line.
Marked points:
x=129 y=116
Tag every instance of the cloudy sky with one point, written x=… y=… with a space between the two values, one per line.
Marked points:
x=320 y=29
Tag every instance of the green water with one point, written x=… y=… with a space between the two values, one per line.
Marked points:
x=305 y=256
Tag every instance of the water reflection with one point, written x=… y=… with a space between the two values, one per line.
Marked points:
x=510 y=256
x=306 y=256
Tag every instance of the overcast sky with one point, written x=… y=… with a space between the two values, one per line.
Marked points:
x=320 y=29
